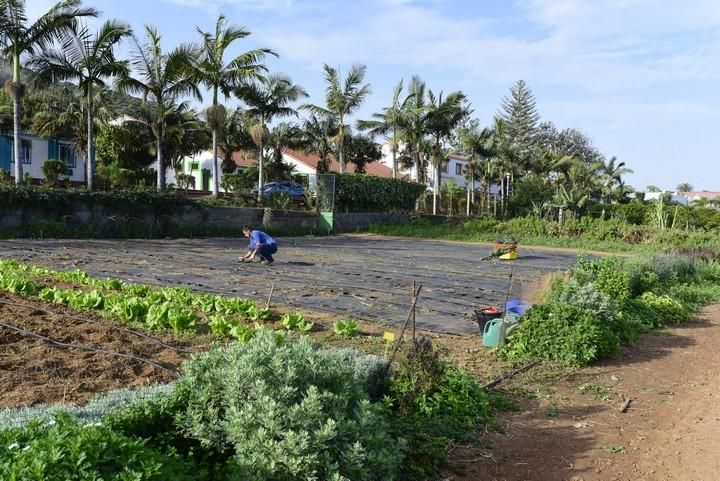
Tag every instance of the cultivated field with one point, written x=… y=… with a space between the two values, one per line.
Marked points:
x=367 y=278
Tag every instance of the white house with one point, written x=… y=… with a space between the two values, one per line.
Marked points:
x=34 y=151
x=453 y=169
x=680 y=199
x=304 y=168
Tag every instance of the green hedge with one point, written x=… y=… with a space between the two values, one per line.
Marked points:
x=367 y=193
x=11 y=196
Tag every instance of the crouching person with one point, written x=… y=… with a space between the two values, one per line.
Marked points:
x=261 y=245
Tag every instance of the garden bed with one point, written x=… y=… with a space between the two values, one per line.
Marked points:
x=33 y=371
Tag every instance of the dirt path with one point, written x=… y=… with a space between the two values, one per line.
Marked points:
x=574 y=430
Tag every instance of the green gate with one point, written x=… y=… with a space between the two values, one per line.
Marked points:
x=325 y=202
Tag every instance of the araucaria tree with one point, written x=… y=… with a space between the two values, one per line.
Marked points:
x=19 y=37
x=520 y=118
x=88 y=60
x=162 y=79
x=267 y=98
x=342 y=99
x=222 y=78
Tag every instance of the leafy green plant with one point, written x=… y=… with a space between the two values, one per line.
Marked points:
x=17 y=284
x=669 y=309
x=63 y=449
x=563 y=332
x=437 y=404
x=347 y=328
x=296 y=321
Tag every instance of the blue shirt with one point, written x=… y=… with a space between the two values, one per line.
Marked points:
x=259 y=237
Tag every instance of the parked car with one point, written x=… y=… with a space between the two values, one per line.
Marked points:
x=295 y=190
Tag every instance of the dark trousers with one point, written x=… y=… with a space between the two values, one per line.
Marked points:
x=266 y=251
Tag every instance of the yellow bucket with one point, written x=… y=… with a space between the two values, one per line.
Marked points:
x=510 y=256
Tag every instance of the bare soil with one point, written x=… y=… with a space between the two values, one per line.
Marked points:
x=572 y=428
x=33 y=371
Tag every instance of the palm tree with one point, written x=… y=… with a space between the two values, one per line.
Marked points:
x=361 y=151
x=318 y=131
x=342 y=99
x=18 y=37
x=684 y=187
x=413 y=131
x=282 y=137
x=220 y=77
x=163 y=79
x=88 y=59
x=388 y=122
x=235 y=137
x=442 y=117
x=267 y=98
x=478 y=146
x=611 y=177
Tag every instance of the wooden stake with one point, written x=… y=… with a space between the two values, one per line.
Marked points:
x=272 y=289
x=413 y=310
x=407 y=321
x=504 y=317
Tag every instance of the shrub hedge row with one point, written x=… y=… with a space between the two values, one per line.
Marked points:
x=367 y=193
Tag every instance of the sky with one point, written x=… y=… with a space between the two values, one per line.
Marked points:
x=639 y=77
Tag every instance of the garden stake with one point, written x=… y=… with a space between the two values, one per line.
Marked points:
x=413 y=311
x=507 y=298
x=272 y=289
x=407 y=321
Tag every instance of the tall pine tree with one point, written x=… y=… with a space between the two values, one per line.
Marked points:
x=520 y=117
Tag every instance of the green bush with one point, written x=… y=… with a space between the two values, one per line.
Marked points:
x=285 y=410
x=367 y=193
x=53 y=169
x=608 y=274
x=669 y=309
x=586 y=296
x=278 y=200
x=63 y=449
x=438 y=405
x=564 y=333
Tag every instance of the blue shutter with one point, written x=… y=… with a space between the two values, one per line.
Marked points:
x=53 y=150
x=5 y=153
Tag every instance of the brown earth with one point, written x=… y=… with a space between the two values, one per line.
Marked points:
x=573 y=429
x=33 y=371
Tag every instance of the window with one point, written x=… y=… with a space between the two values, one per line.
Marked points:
x=67 y=154
x=444 y=168
x=194 y=165
x=25 y=151
x=458 y=169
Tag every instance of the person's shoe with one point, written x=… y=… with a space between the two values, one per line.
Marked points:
x=266 y=262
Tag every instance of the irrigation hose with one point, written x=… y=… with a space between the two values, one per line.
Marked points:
x=510 y=374
x=64 y=345
x=90 y=321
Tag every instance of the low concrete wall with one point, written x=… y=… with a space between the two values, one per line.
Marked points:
x=139 y=221
x=354 y=221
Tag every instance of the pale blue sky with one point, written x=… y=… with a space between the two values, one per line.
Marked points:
x=640 y=77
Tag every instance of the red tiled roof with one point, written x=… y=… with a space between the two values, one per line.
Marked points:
x=311 y=160
x=704 y=193
x=244 y=158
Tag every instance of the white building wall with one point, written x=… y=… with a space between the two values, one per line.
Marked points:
x=39 y=154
